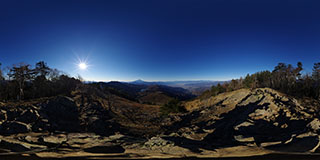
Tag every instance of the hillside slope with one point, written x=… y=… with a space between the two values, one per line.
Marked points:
x=239 y=123
x=87 y=110
x=261 y=117
x=147 y=94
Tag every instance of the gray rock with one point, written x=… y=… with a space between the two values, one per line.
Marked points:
x=315 y=125
x=158 y=142
x=268 y=144
x=243 y=139
x=32 y=139
x=244 y=124
x=56 y=139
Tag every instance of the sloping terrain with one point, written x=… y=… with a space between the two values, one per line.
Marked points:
x=147 y=94
x=196 y=87
x=93 y=122
x=261 y=117
x=158 y=94
x=88 y=110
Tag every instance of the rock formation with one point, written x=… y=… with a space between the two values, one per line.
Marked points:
x=239 y=123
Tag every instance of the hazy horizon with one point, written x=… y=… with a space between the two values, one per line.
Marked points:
x=184 y=80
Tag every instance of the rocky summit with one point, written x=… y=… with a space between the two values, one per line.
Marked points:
x=96 y=124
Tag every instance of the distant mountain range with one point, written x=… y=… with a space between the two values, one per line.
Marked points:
x=196 y=86
x=145 y=93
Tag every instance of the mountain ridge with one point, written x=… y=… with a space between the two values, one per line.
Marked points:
x=194 y=86
x=151 y=94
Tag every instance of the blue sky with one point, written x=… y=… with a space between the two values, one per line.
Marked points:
x=160 y=39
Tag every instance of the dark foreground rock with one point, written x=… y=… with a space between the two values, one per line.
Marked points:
x=239 y=123
x=106 y=148
x=12 y=127
x=57 y=114
x=62 y=114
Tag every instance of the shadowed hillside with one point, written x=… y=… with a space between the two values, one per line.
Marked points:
x=240 y=123
x=147 y=94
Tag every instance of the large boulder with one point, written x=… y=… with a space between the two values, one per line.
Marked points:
x=62 y=114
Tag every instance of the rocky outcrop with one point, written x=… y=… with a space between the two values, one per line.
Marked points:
x=94 y=113
x=62 y=114
x=261 y=117
x=18 y=119
x=44 y=142
x=58 y=114
x=92 y=122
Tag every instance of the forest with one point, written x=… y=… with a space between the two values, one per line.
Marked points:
x=22 y=82
x=285 y=78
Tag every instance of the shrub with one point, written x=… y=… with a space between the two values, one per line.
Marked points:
x=173 y=106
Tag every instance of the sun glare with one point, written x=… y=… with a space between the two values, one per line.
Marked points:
x=82 y=66
x=81 y=63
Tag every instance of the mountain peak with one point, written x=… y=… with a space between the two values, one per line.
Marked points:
x=138 y=81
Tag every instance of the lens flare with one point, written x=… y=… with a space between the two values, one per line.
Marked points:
x=82 y=65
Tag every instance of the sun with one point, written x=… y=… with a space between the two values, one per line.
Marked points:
x=81 y=63
x=82 y=66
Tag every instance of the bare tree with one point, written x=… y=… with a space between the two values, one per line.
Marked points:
x=42 y=69
x=20 y=73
